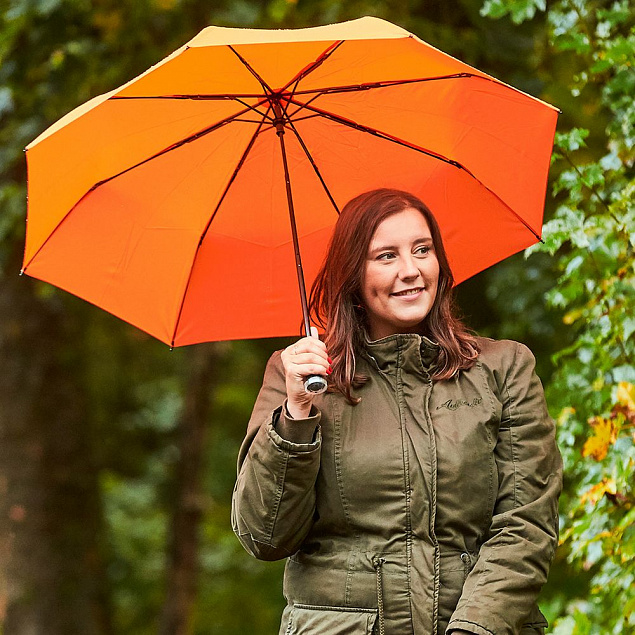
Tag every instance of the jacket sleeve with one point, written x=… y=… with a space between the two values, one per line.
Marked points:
x=274 y=498
x=501 y=590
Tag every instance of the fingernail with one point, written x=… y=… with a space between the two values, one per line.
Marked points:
x=330 y=360
x=329 y=371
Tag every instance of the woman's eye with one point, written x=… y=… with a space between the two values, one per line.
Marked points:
x=388 y=255
x=424 y=249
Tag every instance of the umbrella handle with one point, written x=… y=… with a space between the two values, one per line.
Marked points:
x=315 y=384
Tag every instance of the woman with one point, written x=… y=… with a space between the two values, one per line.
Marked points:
x=419 y=494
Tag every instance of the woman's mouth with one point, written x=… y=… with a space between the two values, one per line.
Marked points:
x=408 y=292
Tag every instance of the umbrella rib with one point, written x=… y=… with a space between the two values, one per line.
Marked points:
x=237 y=97
x=411 y=146
x=303 y=104
x=296 y=119
x=315 y=167
x=174 y=146
x=197 y=97
x=253 y=120
x=232 y=178
x=387 y=84
x=264 y=115
x=262 y=82
x=312 y=66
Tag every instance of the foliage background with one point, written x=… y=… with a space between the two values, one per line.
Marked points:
x=110 y=400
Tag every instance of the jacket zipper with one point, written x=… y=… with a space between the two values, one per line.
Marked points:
x=378 y=563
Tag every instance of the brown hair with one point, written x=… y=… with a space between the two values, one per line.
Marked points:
x=335 y=296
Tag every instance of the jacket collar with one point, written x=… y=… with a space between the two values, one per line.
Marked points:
x=409 y=352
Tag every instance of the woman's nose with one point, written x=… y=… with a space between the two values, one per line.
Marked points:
x=408 y=268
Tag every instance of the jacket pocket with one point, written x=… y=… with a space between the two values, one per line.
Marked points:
x=454 y=569
x=306 y=619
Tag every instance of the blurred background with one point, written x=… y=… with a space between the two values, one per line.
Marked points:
x=117 y=455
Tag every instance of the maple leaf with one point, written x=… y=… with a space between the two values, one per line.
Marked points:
x=605 y=433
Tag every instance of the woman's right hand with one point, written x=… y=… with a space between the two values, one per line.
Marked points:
x=307 y=356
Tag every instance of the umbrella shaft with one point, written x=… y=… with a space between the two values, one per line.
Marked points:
x=294 y=232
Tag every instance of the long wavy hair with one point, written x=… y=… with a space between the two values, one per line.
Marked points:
x=335 y=300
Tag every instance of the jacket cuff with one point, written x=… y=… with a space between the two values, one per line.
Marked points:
x=470 y=627
x=295 y=435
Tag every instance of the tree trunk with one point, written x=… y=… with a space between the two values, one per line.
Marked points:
x=51 y=571
x=188 y=505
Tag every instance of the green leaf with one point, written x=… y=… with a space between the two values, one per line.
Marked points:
x=519 y=10
x=572 y=140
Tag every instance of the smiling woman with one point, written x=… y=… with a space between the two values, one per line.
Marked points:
x=420 y=493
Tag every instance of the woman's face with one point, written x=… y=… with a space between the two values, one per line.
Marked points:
x=401 y=274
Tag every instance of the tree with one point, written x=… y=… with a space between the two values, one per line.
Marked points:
x=592 y=235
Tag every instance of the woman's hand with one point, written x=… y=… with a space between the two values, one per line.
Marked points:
x=306 y=357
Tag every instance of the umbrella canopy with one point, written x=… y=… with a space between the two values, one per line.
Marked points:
x=165 y=202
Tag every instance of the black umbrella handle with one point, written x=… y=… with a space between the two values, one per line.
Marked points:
x=314 y=384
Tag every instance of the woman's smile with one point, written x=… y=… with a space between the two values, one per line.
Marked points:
x=408 y=293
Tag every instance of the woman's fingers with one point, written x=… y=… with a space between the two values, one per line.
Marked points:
x=304 y=364
x=304 y=370
x=307 y=346
x=310 y=358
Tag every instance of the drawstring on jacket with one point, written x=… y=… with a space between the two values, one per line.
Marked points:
x=377 y=563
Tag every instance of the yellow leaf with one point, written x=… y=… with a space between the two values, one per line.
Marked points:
x=626 y=394
x=595 y=493
x=605 y=433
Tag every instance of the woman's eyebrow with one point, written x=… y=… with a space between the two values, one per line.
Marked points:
x=427 y=240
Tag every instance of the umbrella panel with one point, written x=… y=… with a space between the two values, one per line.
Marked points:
x=106 y=141
x=129 y=244
x=456 y=119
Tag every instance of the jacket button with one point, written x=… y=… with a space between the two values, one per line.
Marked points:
x=465 y=557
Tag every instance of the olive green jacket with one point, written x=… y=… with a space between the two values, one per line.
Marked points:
x=427 y=507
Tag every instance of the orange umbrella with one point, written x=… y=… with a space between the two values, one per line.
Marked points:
x=166 y=201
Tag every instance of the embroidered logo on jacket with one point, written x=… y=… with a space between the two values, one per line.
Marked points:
x=454 y=404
